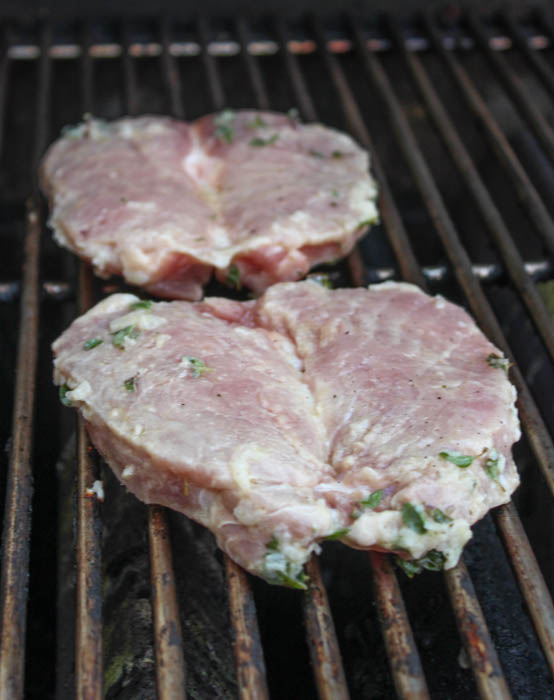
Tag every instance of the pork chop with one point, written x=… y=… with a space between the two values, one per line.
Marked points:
x=382 y=417
x=254 y=196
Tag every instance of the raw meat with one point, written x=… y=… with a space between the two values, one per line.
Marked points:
x=255 y=196
x=382 y=417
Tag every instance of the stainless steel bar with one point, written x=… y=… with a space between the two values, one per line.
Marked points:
x=514 y=87
x=304 y=98
x=535 y=59
x=252 y=66
x=407 y=672
x=17 y=515
x=534 y=426
x=168 y=641
x=171 y=72
x=473 y=630
x=322 y=641
x=524 y=187
x=531 y=581
x=4 y=78
x=249 y=658
x=489 y=211
x=86 y=70
x=129 y=77
x=214 y=82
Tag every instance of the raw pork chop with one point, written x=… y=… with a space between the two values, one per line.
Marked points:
x=255 y=196
x=381 y=417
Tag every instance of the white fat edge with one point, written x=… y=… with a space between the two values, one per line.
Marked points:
x=126 y=129
x=80 y=392
x=161 y=339
x=439 y=301
x=136 y=265
x=361 y=199
x=113 y=303
x=407 y=287
x=143 y=319
x=240 y=464
x=103 y=257
x=128 y=471
x=141 y=206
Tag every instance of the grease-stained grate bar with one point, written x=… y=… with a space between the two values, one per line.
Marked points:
x=490 y=213
x=461 y=607
x=537 y=61
x=514 y=87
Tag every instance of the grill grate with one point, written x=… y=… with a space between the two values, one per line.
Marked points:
x=328 y=74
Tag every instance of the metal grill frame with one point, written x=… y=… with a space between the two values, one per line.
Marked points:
x=329 y=677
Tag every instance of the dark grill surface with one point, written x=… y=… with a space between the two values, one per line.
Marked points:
x=136 y=602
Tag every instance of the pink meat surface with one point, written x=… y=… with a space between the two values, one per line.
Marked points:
x=370 y=415
x=256 y=197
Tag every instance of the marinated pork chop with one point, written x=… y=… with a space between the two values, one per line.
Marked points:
x=379 y=416
x=255 y=196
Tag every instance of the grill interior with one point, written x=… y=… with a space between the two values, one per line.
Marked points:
x=135 y=601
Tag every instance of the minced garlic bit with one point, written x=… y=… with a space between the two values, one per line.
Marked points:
x=96 y=490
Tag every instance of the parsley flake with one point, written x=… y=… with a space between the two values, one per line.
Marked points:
x=62 y=391
x=264 y=142
x=373 y=500
x=142 y=304
x=338 y=534
x=494 y=464
x=323 y=280
x=286 y=580
x=198 y=367
x=337 y=154
x=497 y=362
x=92 y=343
x=432 y=561
x=118 y=340
x=256 y=123
x=273 y=544
x=223 y=123
x=457 y=458
x=412 y=518
x=438 y=516
x=316 y=154
x=130 y=384
x=366 y=222
x=233 y=277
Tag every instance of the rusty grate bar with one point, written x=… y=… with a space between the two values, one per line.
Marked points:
x=490 y=213
x=17 y=518
x=514 y=87
x=537 y=61
x=461 y=264
x=524 y=187
x=455 y=251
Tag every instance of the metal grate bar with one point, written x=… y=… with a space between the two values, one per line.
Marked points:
x=514 y=87
x=530 y=416
x=446 y=230
x=408 y=675
x=252 y=67
x=129 y=76
x=532 y=583
x=170 y=665
x=473 y=630
x=480 y=194
x=171 y=72
x=322 y=641
x=17 y=517
x=537 y=61
x=460 y=611
x=524 y=187
x=4 y=76
x=249 y=657
x=293 y=71
x=168 y=641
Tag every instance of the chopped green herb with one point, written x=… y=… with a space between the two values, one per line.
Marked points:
x=338 y=534
x=197 y=365
x=498 y=362
x=438 y=516
x=142 y=304
x=337 y=154
x=223 y=125
x=118 y=340
x=130 y=384
x=335 y=193
x=316 y=154
x=233 y=277
x=285 y=580
x=323 y=280
x=413 y=518
x=273 y=544
x=264 y=142
x=432 y=561
x=493 y=464
x=293 y=115
x=92 y=343
x=62 y=391
x=256 y=123
x=366 y=222
x=373 y=500
x=456 y=458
